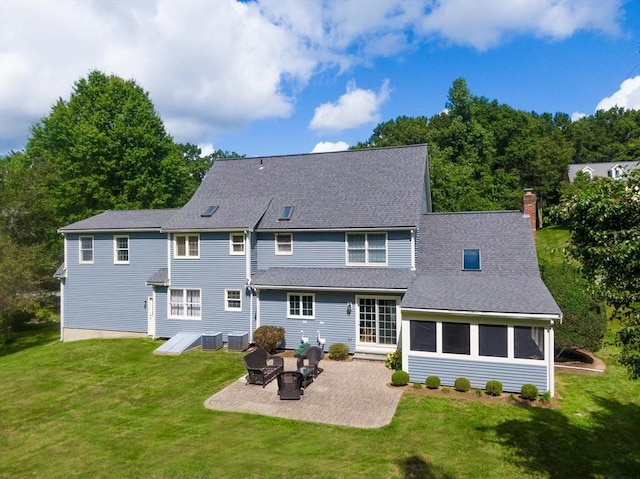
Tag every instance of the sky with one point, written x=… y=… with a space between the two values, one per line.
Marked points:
x=274 y=77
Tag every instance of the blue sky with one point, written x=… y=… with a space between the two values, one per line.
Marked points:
x=284 y=76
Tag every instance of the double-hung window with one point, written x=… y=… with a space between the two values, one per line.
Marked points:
x=233 y=300
x=121 y=249
x=185 y=304
x=301 y=306
x=236 y=243
x=86 y=249
x=187 y=246
x=367 y=248
x=284 y=243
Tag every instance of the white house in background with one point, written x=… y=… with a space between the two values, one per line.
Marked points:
x=615 y=169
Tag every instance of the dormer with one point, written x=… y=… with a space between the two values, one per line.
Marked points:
x=588 y=170
x=616 y=172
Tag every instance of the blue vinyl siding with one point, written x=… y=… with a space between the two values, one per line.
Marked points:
x=331 y=318
x=512 y=376
x=212 y=273
x=327 y=249
x=109 y=296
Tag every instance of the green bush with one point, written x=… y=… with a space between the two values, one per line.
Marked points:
x=417 y=386
x=300 y=350
x=478 y=392
x=394 y=360
x=268 y=337
x=462 y=385
x=433 y=382
x=529 y=391
x=400 y=378
x=493 y=388
x=546 y=397
x=338 y=351
x=584 y=323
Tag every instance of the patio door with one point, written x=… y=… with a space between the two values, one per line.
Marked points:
x=377 y=328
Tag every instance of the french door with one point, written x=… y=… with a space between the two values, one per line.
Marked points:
x=377 y=322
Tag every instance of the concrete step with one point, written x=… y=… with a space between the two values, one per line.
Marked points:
x=369 y=357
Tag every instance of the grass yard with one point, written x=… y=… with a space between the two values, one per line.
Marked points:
x=110 y=408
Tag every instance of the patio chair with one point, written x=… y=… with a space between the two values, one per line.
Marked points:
x=262 y=367
x=290 y=385
x=313 y=355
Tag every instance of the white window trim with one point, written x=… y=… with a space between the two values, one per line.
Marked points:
x=276 y=244
x=474 y=338
x=227 y=299
x=184 y=299
x=360 y=345
x=301 y=294
x=116 y=249
x=231 y=244
x=366 y=248
x=80 y=250
x=187 y=255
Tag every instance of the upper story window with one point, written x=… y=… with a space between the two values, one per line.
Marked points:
x=185 y=303
x=187 y=246
x=86 y=249
x=284 y=243
x=121 y=249
x=300 y=306
x=367 y=248
x=236 y=243
x=471 y=260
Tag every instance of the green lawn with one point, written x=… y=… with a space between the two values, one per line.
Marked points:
x=110 y=408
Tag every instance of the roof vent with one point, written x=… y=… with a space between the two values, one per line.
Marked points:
x=286 y=213
x=209 y=211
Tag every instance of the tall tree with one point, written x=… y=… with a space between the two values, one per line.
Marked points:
x=109 y=149
x=604 y=220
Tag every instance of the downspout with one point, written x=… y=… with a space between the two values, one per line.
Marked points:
x=551 y=360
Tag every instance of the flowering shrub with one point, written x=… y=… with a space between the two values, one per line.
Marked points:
x=394 y=360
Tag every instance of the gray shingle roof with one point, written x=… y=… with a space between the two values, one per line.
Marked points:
x=509 y=281
x=602 y=169
x=351 y=189
x=122 y=220
x=347 y=278
x=160 y=277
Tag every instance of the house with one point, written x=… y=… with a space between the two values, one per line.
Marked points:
x=616 y=170
x=340 y=246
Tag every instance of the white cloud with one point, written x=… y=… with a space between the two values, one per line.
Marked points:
x=576 y=115
x=206 y=148
x=485 y=24
x=327 y=146
x=353 y=109
x=627 y=96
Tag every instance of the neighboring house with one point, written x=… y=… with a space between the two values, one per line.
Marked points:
x=616 y=170
x=338 y=245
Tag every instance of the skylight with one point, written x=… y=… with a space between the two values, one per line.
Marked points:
x=209 y=211
x=286 y=213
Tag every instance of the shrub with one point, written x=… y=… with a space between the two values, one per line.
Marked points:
x=462 y=385
x=268 y=337
x=493 y=388
x=546 y=397
x=585 y=322
x=400 y=378
x=446 y=390
x=478 y=392
x=338 y=351
x=529 y=391
x=433 y=382
x=417 y=386
x=300 y=350
x=394 y=360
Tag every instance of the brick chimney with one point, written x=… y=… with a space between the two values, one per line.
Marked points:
x=529 y=208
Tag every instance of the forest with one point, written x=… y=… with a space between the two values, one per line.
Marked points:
x=106 y=147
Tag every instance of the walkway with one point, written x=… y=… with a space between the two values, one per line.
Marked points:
x=352 y=393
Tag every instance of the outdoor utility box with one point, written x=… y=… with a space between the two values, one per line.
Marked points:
x=238 y=340
x=211 y=340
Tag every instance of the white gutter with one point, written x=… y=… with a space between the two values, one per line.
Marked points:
x=330 y=288
x=546 y=317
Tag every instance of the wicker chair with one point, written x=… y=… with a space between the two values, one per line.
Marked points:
x=290 y=385
x=313 y=355
x=262 y=366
